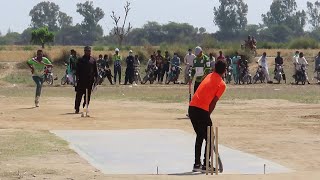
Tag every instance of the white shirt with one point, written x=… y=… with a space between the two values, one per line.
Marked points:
x=188 y=59
x=263 y=61
x=301 y=61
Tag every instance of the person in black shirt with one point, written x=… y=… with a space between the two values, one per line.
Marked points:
x=278 y=61
x=86 y=74
x=130 y=68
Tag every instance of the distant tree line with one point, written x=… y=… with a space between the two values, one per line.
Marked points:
x=282 y=23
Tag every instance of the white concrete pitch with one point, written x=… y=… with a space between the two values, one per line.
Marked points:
x=146 y=151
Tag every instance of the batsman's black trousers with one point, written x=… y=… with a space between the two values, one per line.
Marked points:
x=200 y=120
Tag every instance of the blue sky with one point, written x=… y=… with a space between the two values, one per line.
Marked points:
x=196 y=12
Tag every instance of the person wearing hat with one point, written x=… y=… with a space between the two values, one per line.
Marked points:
x=200 y=68
x=130 y=68
x=117 y=65
x=188 y=61
x=86 y=74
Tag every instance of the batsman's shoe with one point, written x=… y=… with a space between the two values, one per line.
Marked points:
x=197 y=168
x=204 y=169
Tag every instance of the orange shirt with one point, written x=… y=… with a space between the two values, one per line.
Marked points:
x=210 y=87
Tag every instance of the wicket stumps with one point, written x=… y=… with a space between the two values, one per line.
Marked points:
x=212 y=140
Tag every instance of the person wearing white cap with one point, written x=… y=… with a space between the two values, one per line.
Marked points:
x=117 y=65
x=201 y=67
x=130 y=68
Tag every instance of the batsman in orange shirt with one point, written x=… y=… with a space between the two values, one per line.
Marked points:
x=202 y=105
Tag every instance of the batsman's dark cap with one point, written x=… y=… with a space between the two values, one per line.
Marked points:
x=87 y=48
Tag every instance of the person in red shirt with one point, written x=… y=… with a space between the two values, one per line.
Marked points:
x=221 y=56
x=202 y=105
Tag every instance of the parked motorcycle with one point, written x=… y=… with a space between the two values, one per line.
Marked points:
x=48 y=75
x=228 y=74
x=173 y=75
x=245 y=76
x=279 y=74
x=137 y=77
x=259 y=76
x=150 y=76
x=67 y=79
x=102 y=74
x=300 y=75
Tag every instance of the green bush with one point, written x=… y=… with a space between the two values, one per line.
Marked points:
x=303 y=43
x=98 y=48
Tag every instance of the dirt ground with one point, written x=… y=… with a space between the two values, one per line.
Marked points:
x=279 y=130
x=284 y=132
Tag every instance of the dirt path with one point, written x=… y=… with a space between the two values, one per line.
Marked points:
x=284 y=132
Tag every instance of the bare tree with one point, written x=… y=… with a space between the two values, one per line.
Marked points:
x=121 y=31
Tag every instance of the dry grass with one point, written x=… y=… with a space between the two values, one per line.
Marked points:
x=28 y=143
x=22 y=53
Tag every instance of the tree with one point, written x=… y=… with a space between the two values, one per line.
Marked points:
x=48 y=14
x=45 y=14
x=90 y=28
x=230 y=16
x=42 y=36
x=284 y=12
x=314 y=14
x=64 y=20
x=121 y=31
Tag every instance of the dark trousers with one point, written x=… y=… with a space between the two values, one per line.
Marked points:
x=129 y=76
x=117 y=70
x=200 y=120
x=80 y=93
x=159 y=74
x=196 y=85
x=39 y=81
x=164 y=71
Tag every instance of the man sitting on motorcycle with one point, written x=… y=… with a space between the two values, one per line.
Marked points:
x=300 y=62
x=264 y=64
x=243 y=67
x=279 y=61
x=294 y=61
x=103 y=68
x=175 y=62
x=151 y=63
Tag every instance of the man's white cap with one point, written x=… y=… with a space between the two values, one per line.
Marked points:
x=130 y=51
x=197 y=50
x=117 y=50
